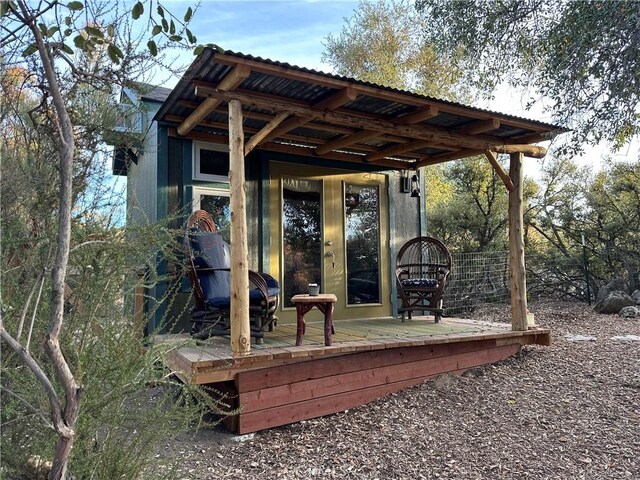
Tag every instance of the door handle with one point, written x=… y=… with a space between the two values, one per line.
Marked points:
x=331 y=254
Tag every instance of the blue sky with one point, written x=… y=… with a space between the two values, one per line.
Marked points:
x=288 y=31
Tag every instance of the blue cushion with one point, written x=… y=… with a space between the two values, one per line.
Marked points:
x=419 y=282
x=211 y=251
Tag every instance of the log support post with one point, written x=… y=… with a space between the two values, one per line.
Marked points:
x=240 y=326
x=517 y=272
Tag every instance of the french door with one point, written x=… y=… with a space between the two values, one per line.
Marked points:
x=330 y=228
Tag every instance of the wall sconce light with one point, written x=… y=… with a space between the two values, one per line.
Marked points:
x=415 y=186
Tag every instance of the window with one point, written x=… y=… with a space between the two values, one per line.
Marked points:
x=210 y=162
x=217 y=203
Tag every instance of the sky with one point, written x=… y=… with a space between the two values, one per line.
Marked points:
x=288 y=31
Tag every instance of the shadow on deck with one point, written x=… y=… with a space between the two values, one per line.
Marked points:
x=279 y=383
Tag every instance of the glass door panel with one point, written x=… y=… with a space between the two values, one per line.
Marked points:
x=362 y=239
x=302 y=236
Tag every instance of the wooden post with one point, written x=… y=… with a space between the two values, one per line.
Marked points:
x=517 y=272
x=240 y=327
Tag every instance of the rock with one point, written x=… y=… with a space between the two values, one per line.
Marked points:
x=627 y=338
x=636 y=297
x=630 y=312
x=617 y=284
x=579 y=338
x=614 y=302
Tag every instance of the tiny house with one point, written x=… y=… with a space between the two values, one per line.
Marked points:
x=328 y=172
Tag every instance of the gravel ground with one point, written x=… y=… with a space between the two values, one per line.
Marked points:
x=569 y=411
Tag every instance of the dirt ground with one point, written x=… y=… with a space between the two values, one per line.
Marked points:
x=569 y=411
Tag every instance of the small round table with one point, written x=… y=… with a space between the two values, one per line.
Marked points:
x=323 y=302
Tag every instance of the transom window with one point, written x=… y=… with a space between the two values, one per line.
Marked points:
x=210 y=162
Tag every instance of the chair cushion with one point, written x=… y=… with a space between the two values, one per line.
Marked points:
x=419 y=283
x=211 y=251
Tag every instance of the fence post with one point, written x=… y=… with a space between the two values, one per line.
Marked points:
x=586 y=268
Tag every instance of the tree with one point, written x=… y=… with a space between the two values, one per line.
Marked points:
x=383 y=43
x=467 y=205
x=582 y=56
x=603 y=206
x=66 y=54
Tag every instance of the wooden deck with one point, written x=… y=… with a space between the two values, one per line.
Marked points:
x=279 y=383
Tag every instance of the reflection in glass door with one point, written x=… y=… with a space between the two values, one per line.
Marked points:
x=362 y=239
x=302 y=236
x=217 y=203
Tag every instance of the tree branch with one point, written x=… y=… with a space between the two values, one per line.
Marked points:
x=56 y=409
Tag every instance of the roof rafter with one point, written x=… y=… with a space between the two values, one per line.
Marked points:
x=412 y=118
x=232 y=80
x=481 y=126
x=332 y=102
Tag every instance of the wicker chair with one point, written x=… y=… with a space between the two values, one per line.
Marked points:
x=423 y=266
x=209 y=271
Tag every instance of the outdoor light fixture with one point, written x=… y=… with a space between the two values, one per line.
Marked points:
x=415 y=186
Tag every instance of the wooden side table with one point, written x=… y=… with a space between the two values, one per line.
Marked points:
x=323 y=302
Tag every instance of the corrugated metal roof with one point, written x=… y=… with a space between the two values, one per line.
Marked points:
x=280 y=80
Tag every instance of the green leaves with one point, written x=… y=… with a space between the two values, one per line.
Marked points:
x=94 y=31
x=5 y=7
x=75 y=6
x=190 y=36
x=115 y=54
x=30 y=50
x=137 y=10
x=79 y=41
x=188 y=14
x=153 y=48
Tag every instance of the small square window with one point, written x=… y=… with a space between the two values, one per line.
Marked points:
x=210 y=162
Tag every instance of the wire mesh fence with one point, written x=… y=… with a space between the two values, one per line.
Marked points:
x=483 y=277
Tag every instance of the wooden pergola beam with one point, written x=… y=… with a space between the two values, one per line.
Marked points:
x=233 y=79
x=266 y=130
x=266 y=117
x=288 y=136
x=399 y=149
x=360 y=136
x=438 y=136
x=338 y=99
x=332 y=102
x=240 y=324
x=424 y=113
x=533 y=151
x=301 y=151
x=493 y=160
x=412 y=118
x=481 y=126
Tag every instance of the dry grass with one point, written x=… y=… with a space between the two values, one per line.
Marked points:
x=570 y=411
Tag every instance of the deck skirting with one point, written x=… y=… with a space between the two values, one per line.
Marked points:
x=286 y=394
